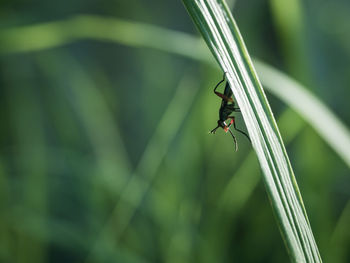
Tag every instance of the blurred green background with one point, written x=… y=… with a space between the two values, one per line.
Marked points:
x=105 y=153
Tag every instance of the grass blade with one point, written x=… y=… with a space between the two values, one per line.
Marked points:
x=335 y=133
x=222 y=36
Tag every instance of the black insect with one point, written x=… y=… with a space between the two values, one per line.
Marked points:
x=226 y=108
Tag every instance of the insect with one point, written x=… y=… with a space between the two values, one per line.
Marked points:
x=226 y=108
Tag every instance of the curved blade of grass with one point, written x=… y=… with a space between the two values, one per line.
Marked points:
x=222 y=36
x=335 y=133
x=58 y=33
x=43 y=36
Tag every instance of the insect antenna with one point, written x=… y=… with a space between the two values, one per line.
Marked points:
x=214 y=130
x=234 y=139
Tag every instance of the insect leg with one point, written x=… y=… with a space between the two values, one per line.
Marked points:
x=224 y=97
x=232 y=121
x=234 y=139
x=234 y=126
x=223 y=79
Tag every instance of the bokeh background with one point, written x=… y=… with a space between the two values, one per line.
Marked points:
x=105 y=153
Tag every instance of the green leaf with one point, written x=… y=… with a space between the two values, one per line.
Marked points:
x=219 y=30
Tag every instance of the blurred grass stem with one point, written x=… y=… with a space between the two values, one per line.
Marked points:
x=135 y=190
